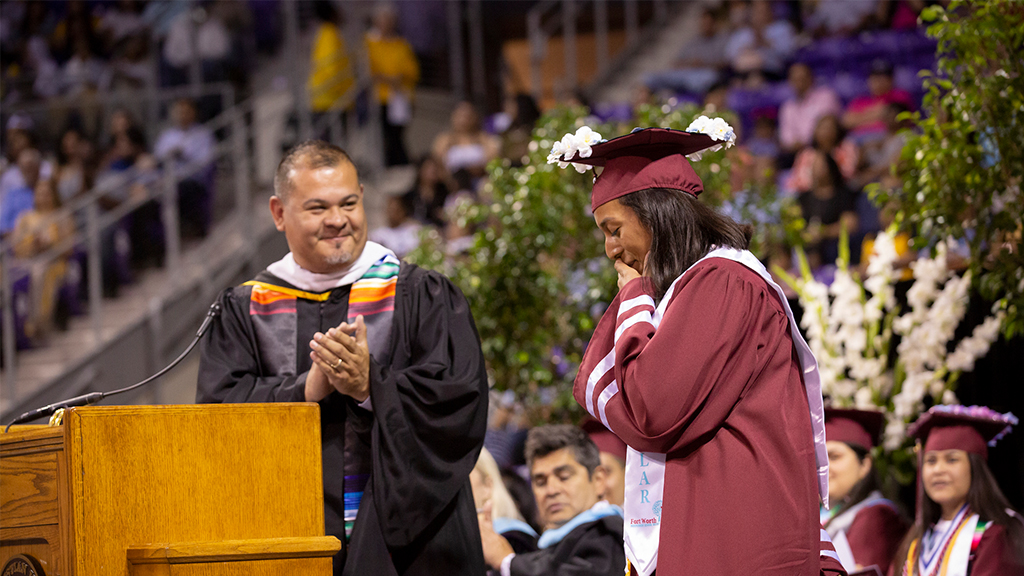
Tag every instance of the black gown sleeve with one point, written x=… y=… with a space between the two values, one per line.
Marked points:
x=597 y=552
x=229 y=366
x=430 y=412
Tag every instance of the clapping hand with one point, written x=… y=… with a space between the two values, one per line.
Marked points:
x=342 y=356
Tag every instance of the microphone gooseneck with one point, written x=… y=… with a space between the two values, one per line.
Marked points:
x=93 y=397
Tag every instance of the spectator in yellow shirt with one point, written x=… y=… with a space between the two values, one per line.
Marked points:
x=330 y=71
x=395 y=72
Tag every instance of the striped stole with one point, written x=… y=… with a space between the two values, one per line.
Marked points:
x=272 y=310
x=947 y=553
x=373 y=296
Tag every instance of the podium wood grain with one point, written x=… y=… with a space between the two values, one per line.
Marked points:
x=119 y=478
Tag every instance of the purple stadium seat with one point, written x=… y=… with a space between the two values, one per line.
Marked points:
x=613 y=111
x=848 y=86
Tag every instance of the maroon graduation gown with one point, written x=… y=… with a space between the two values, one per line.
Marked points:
x=995 y=556
x=718 y=389
x=875 y=535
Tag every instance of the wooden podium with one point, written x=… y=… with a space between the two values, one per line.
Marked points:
x=166 y=490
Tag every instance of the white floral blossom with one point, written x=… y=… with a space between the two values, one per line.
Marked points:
x=717 y=128
x=585 y=138
x=976 y=345
x=581 y=143
x=850 y=323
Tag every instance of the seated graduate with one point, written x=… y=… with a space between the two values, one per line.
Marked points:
x=865 y=527
x=613 y=460
x=964 y=524
x=582 y=532
x=490 y=493
x=390 y=353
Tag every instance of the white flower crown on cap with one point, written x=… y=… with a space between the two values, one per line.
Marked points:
x=717 y=129
x=584 y=138
x=570 y=144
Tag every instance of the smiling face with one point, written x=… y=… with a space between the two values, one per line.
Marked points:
x=322 y=217
x=625 y=238
x=563 y=488
x=946 y=475
x=845 y=469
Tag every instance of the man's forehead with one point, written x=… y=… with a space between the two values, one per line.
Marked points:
x=550 y=463
x=309 y=182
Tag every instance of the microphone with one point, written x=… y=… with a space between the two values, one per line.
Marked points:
x=93 y=397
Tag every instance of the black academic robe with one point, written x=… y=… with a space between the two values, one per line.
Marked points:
x=591 y=549
x=422 y=437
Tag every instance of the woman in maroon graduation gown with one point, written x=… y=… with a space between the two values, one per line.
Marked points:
x=697 y=366
x=965 y=526
x=861 y=521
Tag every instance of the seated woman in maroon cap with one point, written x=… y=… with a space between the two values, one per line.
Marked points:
x=965 y=526
x=697 y=365
x=866 y=528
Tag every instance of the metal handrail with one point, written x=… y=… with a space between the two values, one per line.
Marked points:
x=237 y=146
x=118 y=97
x=108 y=102
x=163 y=186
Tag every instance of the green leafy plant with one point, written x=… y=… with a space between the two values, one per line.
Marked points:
x=962 y=169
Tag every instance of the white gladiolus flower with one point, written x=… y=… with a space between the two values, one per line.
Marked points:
x=862 y=399
x=895 y=432
x=948 y=397
x=976 y=345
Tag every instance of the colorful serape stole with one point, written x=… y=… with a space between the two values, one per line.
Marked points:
x=978 y=531
x=273 y=311
x=373 y=296
x=354 y=487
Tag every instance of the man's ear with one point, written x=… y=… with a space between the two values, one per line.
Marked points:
x=598 y=478
x=277 y=212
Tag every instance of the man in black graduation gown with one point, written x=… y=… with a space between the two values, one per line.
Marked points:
x=582 y=531
x=391 y=354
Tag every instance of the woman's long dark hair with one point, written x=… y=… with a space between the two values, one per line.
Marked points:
x=683 y=230
x=866 y=485
x=984 y=499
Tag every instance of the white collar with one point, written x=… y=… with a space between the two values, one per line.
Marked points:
x=288 y=269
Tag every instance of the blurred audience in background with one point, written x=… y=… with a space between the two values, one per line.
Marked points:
x=517 y=120
x=188 y=148
x=760 y=49
x=700 y=62
x=800 y=113
x=865 y=115
x=39 y=229
x=395 y=71
x=402 y=232
x=19 y=197
x=465 y=146
x=330 y=69
x=429 y=193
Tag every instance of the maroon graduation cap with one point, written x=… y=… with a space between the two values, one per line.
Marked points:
x=969 y=428
x=645 y=158
x=860 y=427
x=605 y=439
